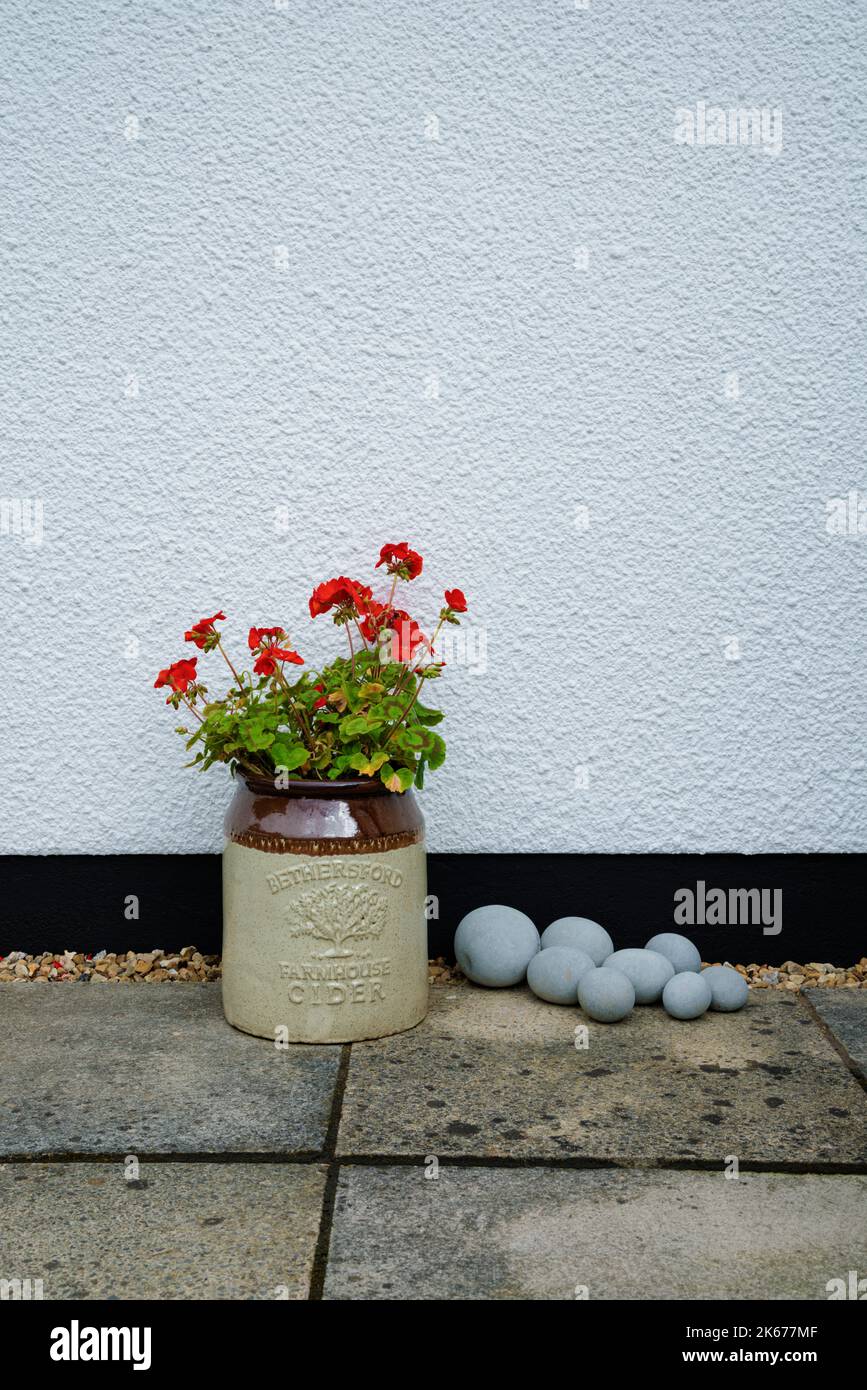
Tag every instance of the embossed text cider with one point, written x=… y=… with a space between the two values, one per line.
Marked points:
x=324 y=927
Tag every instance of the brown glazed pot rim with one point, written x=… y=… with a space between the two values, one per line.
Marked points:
x=340 y=787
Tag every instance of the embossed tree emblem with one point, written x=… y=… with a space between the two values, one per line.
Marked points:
x=341 y=915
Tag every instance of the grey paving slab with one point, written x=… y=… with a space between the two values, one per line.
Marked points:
x=151 y=1069
x=497 y=1073
x=182 y=1231
x=537 y=1233
x=844 y=1012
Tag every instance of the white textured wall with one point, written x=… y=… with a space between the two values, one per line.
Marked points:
x=559 y=387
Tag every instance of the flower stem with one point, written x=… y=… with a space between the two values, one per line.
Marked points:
x=413 y=670
x=383 y=617
x=296 y=709
x=229 y=664
x=402 y=717
x=436 y=634
x=190 y=706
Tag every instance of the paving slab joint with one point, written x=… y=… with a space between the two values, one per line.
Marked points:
x=585 y=1163
x=288 y=1159
x=329 y=1196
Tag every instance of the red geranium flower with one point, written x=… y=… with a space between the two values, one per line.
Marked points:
x=455 y=601
x=255 y=635
x=401 y=560
x=376 y=615
x=407 y=636
x=266 y=662
x=178 y=676
x=266 y=641
x=341 y=593
x=202 y=630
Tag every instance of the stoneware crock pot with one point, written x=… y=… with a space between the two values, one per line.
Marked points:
x=324 y=929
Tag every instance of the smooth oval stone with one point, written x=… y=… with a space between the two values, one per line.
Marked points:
x=648 y=971
x=605 y=994
x=495 y=944
x=683 y=953
x=554 y=973
x=581 y=933
x=729 y=990
x=686 y=995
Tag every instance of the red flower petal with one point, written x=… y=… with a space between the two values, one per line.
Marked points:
x=399 y=557
x=179 y=675
x=340 y=593
x=203 y=629
x=255 y=635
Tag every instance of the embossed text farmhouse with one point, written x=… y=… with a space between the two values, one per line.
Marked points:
x=355 y=982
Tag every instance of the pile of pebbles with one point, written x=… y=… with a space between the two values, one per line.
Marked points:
x=575 y=962
x=815 y=974
x=440 y=972
x=127 y=968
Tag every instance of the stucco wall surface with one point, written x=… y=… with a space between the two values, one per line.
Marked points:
x=281 y=283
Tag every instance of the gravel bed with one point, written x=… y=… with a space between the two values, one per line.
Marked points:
x=189 y=966
x=131 y=967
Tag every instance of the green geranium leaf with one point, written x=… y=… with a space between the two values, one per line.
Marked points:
x=398 y=779
x=437 y=756
x=337 y=769
x=255 y=736
x=391 y=673
x=390 y=709
x=357 y=725
x=289 y=755
x=425 y=715
x=415 y=740
x=368 y=766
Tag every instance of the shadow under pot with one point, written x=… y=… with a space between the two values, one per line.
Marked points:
x=324 y=927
